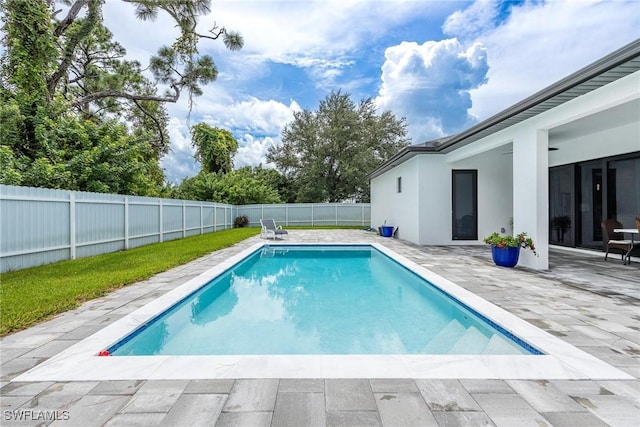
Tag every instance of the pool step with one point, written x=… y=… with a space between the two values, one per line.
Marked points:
x=471 y=342
x=499 y=345
x=445 y=339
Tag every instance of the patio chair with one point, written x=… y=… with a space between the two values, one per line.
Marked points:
x=615 y=240
x=269 y=228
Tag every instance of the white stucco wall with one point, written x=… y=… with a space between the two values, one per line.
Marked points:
x=495 y=191
x=512 y=169
x=531 y=193
x=397 y=209
x=435 y=200
x=423 y=209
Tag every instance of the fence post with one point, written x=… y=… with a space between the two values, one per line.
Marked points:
x=362 y=215
x=312 y=214
x=286 y=215
x=201 y=219
x=126 y=222
x=184 y=218
x=72 y=225
x=336 y=206
x=161 y=219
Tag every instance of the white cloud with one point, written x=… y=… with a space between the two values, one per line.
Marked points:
x=245 y=119
x=140 y=38
x=473 y=20
x=253 y=151
x=539 y=44
x=252 y=114
x=429 y=85
x=179 y=163
x=433 y=84
x=318 y=36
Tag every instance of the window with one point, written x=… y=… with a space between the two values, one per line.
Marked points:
x=399 y=185
x=464 y=204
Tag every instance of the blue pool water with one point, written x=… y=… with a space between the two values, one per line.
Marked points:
x=319 y=300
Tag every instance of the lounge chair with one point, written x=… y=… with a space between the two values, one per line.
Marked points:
x=269 y=228
x=615 y=240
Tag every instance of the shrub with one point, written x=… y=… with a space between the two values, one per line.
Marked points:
x=241 y=221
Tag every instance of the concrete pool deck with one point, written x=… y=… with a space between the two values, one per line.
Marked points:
x=583 y=300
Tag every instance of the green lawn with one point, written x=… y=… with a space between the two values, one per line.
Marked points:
x=35 y=294
x=32 y=295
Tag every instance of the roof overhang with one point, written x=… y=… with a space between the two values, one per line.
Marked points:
x=612 y=67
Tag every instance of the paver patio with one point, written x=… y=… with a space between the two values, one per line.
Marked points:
x=583 y=300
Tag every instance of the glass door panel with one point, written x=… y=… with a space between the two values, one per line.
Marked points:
x=623 y=191
x=590 y=204
x=562 y=205
x=465 y=204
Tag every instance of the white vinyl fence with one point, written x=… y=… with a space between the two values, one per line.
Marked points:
x=41 y=226
x=315 y=214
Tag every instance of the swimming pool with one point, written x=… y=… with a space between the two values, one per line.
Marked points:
x=81 y=362
x=319 y=300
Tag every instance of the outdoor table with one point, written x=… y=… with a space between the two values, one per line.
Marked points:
x=633 y=232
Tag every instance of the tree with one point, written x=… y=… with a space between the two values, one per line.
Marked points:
x=68 y=69
x=215 y=148
x=236 y=188
x=273 y=179
x=82 y=155
x=328 y=154
x=179 y=66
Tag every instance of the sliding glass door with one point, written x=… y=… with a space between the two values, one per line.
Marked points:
x=582 y=195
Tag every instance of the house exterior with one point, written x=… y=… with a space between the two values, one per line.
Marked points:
x=554 y=165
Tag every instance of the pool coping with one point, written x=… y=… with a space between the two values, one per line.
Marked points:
x=560 y=361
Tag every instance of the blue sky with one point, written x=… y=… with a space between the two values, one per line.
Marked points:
x=443 y=65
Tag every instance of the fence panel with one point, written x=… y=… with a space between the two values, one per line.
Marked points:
x=41 y=226
x=304 y=214
x=34 y=227
x=193 y=220
x=300 y=214
x=171 y=220
x=253 y=212
x=144 y=221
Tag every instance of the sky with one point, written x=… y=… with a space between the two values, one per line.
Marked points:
x=442 y=65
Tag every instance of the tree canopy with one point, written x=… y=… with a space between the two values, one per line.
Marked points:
x=218 y=182
x=237 y=188
x=215 y=148
x=327 y=154
x=72 y=107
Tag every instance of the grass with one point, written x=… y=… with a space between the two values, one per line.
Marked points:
x=35 y=294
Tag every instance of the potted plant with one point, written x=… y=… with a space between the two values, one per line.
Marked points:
x=506 y=249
